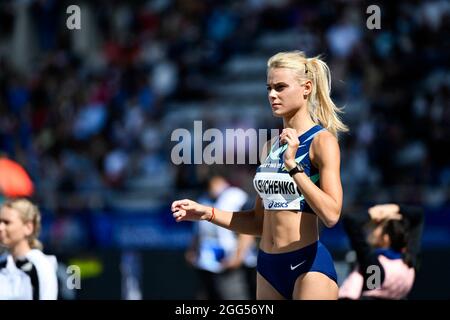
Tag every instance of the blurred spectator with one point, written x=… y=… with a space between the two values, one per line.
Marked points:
x=388 y=260
x=20 y=224
x=226 y=262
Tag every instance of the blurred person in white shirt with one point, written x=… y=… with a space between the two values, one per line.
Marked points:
x=226 y=261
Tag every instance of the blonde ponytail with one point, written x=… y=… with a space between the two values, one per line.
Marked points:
x=321 y=108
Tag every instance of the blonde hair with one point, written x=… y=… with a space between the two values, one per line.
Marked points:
x=28 y=212
x=321 y=108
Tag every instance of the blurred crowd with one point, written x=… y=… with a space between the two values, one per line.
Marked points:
x=89 y=112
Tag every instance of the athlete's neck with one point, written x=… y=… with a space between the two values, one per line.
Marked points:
x=300 y=121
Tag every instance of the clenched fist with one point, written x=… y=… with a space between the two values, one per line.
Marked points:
x=289 y=136
x=188 y=210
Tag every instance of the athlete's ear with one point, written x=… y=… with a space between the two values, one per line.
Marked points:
x=307 y=85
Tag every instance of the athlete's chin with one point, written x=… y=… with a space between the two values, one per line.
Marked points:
x=277 y=113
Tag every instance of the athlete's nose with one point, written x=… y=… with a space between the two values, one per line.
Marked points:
x=272 y=95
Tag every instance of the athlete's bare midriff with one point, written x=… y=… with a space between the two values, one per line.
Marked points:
x=285 y=231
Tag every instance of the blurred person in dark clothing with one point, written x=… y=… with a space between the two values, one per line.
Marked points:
x=387 y=259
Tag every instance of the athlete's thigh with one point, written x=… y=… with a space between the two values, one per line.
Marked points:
x=265 y=291
x=315 y=286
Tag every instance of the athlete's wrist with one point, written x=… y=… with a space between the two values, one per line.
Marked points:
x=208 y=213
x=212 y=216
x=290 y=164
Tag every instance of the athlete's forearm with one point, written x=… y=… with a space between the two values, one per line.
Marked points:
x=326 y=208
x=245 y=222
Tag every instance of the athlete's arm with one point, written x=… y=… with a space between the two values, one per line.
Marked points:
x=247 y=222
x=325 y=201
x=243 y=221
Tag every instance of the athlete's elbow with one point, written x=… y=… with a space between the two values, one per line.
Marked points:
x=330 y=223
x=332 y=219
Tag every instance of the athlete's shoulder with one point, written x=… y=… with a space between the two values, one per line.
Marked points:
x=325 y=147
x=324 y=139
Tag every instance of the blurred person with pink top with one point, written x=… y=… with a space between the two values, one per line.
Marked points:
x=387 y=259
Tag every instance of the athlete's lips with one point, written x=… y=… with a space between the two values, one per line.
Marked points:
x=276 y=105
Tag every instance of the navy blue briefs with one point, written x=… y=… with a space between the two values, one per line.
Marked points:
x=281 y=270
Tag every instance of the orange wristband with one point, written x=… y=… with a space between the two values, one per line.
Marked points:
x=212 y=215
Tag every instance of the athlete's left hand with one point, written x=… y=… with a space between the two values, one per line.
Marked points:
x=289 y=136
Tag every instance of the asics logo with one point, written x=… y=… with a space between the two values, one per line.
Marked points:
x=298 y=265
x=274 y=204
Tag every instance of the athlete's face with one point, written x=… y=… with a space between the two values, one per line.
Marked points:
x=285 y=92
x=12 y=228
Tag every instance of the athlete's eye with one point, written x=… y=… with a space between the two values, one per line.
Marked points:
x=278 y=87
